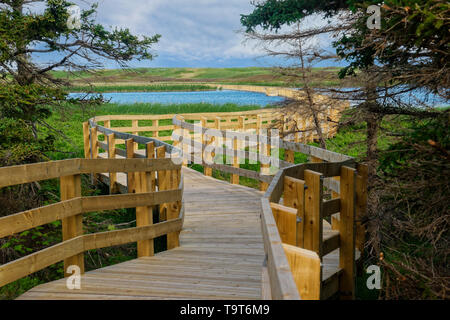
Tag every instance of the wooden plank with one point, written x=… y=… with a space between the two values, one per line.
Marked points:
x=331 y=241
x=14 y=175
x=173 y=210
x=86 y=140
x=326 y=169
x=94 y=143
x=265 y=168
x=72 y=227
x=123 y=201
x=235 y=177
x=22 y=267
x=160 y=128
x=286 y=219
x=144 y=216
x=131 y=176
x=265 y=284
x=294 y=196
x=331 y=207
x=112 y=155
x=150 y=154
x=281 y=280
x=123 y=165
x=347 y=232
x=209 y=156
x=315 y=160
x=289 y=156
x=276 y=187
x=124 y=236
x=307 y=272
x=22 y=221
x=163 y=182
x=313 y=224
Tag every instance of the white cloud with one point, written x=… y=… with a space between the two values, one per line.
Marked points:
x=194 y=32
x=191 y=30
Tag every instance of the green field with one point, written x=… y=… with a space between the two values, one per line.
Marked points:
x=143 y=79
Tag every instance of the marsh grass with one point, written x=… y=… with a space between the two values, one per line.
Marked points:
x=141 y=88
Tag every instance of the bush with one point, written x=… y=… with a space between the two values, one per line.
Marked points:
x=412 y=228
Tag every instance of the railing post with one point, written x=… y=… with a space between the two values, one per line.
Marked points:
x=289 y=156
x=241 y=122
x=294 y=197
x=131 y=176
x=86 y=140
x=258 y=130
x=155 y=123
x=173 y=210
x=135 y=125
x=347 y=233
x=94 y=143
x=72 y=227
x=315 y=160
x=335 y=217
x=218 y=126
x=94 y=151
x=306 y=270
x=265 y=168
x=203 y=121
x=235 y=177
x=163 y=182
x=144 y=216
x=150 y=154
x=207 y=171
x=313 y=224
x=107 y=124
x=112 y=155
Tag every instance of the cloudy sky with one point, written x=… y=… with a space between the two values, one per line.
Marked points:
x=195 y=33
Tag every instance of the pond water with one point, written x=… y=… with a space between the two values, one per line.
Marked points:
x=214 y=97
x=416 y=97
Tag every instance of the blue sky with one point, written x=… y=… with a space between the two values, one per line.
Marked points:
x=195 y=33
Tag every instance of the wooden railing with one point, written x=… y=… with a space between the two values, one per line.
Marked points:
x=106 y=132
x=150 y=190
x=297 y=234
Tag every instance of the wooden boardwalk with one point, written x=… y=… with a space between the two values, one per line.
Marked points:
x=220 y=255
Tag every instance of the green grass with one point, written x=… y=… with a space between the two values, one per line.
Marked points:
x=140 y=88
x=322 y=77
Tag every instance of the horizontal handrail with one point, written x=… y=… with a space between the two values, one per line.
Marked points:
x=14 y=175
x=71 y=208
x=33 y=218
x=27 y=265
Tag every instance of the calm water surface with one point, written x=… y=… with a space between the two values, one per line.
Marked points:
x=213 y=97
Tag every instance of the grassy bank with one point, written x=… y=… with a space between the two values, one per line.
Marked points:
x=321 y=77
x=141 y=88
